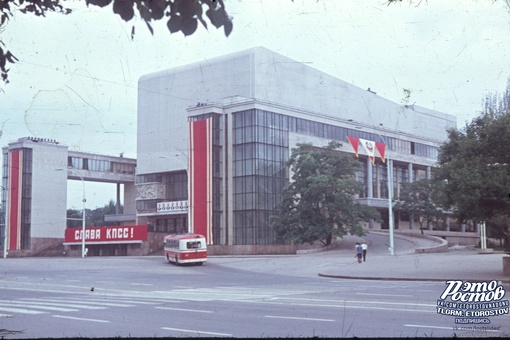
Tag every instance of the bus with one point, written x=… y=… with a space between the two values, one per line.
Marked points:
x=185 y=248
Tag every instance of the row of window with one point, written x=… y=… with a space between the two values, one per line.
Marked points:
x=267 y=127
x=100 y=165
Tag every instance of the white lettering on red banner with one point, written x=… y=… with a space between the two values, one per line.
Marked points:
x=105 y=234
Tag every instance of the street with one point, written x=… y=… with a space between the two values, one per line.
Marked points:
x=226 y=297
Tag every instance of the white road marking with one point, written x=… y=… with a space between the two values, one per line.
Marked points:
x=64 y=304
x=20 y=310
x=195 y=331
x=185 y=310
x=296 y=318
x=384 y=294
x=77 y=303
x=35 y=306
x=80 y=319
x=141 y=284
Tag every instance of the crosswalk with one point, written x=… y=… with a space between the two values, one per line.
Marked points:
x=34 y=306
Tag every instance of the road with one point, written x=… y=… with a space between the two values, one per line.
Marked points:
x=257 y=297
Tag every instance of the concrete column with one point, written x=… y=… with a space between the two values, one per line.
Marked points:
x=447 y=223
x=429 y=172
x=370 y=190
x=463 y=228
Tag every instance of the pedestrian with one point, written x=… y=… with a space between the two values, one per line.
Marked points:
x=358 y=251
x=364 y=247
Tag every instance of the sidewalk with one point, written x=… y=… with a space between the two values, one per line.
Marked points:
x=459 y=263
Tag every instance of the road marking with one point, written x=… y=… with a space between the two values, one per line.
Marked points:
x=453 y=328
x=141 y=284
x=5 y=315
x=35 y=306
x=296 y=318
x=80 y=319
x=185 y=310
x=343 y=306
x=19 y=310
x=195 y=331
x=63 y=303
x=353 y=301
x=77 y=303
x=384 y=294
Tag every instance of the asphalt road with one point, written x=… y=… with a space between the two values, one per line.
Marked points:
x=257 y=297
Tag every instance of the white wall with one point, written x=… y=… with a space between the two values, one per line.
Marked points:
x=49 y=190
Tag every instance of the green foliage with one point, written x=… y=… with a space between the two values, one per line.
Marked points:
x=319 y=201
x=474 y=165
x=183 y=16
x=417 y=199
x=94 y=217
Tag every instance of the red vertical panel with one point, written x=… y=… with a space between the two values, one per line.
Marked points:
x=199 y=176
x=14 y=200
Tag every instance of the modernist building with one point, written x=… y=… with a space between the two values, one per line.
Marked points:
x=33 y=217
x=227 y=126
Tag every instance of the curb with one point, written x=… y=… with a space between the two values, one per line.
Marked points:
x=400 y=278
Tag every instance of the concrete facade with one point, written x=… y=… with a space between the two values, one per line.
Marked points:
x=172 y=102
x=34 y=191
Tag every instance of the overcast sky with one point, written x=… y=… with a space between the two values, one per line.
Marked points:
x=76 y=79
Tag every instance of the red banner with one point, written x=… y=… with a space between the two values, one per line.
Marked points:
x=113 y=234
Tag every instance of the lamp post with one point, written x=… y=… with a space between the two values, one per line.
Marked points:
x=83 y=219
x=5 y=222
x=390 y=191
x=82 y=214
x=390 y=196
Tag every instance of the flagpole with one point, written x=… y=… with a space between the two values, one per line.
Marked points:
x=354 y=142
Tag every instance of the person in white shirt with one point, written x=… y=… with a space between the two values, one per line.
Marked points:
x=364 y=247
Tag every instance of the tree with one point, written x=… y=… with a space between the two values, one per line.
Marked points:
x=418 y=199
x=474 y=164
x=319 y=201
x=94 y=217
x=183 y=16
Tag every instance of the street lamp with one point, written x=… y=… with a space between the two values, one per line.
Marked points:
x=83 y=219
x=82 y=214
x=390 y=194
x=5 y=222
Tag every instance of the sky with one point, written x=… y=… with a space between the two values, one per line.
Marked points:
x=76 y=79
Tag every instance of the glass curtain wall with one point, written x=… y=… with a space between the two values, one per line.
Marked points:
x=260 y=173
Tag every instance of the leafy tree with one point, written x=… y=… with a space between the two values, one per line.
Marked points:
x=319 y=201
x=182 y=16
x=95 y=217
x=418 y=199
x=474 y=164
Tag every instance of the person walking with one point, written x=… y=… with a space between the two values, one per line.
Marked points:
x=364 y=247
x=358 y=251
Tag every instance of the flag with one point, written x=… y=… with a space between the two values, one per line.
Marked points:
x=369 y=147
x=382 y=150
x=355 y=143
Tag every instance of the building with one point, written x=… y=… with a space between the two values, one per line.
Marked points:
x=35 y=173
x=227 y=125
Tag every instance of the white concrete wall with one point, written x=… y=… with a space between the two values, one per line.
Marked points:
x=163 y=98
x=49 y=190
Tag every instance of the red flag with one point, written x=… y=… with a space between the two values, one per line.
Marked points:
x=355 y=144
x=382 y=150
